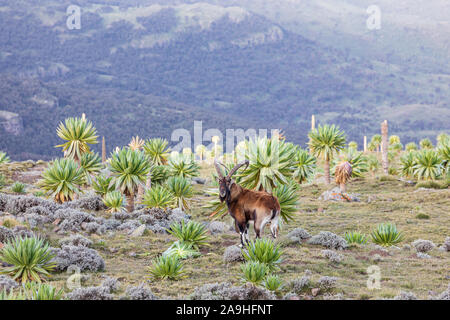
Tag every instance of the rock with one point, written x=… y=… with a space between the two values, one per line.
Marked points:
x=198 y=180
x=336 y=195
x=11 y=122
x=315 y=291
x=138 y=232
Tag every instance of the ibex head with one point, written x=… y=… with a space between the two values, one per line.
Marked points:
x=225 y=182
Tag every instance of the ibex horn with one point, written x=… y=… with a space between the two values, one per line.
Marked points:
x=219 y=171
x=236 y=168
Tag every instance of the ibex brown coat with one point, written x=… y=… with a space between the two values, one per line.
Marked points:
x=246 y=205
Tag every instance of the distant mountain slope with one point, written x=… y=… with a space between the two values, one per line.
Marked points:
x=117 y=114
x=412 y=32
x=150 y=69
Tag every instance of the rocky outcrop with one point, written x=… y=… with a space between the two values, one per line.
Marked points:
x=272 y=35
x=11 y=122
x=44 y=98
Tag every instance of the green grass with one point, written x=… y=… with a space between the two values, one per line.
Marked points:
x=395 y=202
x=423 y=216
x=431 y=184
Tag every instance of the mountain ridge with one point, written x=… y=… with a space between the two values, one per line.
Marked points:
x=245 y=72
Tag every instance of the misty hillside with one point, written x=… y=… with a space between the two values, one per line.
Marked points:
x=412 y=31
x=150 y=67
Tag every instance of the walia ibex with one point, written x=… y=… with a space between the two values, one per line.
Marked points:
x=246 y=205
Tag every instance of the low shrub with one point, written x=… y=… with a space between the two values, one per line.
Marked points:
x=140 y=292
x=327 y=283
x=423 y=245
x=82 y=257
x=233 y=254
x=90 y=293
x=332 y=256
x=329 y=240
x=6 y=283
x=405 y=296
x=226 y=291
x=301 y=284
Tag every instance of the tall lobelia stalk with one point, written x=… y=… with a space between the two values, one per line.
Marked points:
x=384 y=146
x=137 y=143
x=313 y=127
x=103 y=150
x=201 y=151
x=215 y=140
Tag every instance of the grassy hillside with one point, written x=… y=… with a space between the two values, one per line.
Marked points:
x=382 y=200
x=160 y=66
